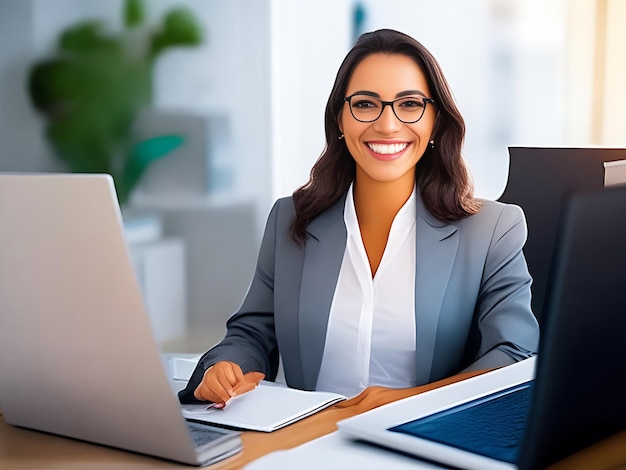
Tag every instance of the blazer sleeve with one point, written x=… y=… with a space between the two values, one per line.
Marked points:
x=250 y=339
x=508 y=329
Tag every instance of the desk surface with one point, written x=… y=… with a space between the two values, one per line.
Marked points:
x=24 y=449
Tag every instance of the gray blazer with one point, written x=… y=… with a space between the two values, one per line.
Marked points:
x=472 y=296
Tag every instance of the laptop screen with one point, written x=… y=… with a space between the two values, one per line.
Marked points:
x=492 y=426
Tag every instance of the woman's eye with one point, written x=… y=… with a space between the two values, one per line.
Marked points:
x=412 y=103
x=364 y=104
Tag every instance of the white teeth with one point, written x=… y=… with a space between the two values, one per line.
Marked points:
x=387 y=149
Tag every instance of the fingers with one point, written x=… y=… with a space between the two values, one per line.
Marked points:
x=224 y=380
x=244 y=387
x=253 y=377
x=218 y=382
x=249 y=383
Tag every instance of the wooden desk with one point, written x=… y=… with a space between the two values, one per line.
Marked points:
x=22 y=449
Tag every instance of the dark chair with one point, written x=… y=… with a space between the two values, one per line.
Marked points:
x=538 y=180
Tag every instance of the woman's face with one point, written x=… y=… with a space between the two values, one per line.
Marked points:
x=387 y=149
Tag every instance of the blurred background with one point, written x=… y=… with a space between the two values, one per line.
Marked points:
x=226 y=112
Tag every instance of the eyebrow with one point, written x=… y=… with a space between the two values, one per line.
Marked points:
x=398 y=95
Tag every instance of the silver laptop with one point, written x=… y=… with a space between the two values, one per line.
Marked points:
x=77 y=353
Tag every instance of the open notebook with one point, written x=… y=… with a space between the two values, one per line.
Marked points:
x=577 y=397
x=267 y=408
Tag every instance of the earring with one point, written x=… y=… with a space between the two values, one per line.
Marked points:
x=341 y=137
x=432 y=144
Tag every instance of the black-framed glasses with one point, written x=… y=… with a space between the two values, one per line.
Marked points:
x=367 y=108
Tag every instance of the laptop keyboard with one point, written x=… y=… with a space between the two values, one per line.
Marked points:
x=203 y=434
x=492 y=426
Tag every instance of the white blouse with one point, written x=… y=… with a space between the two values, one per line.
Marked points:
x=370 y=338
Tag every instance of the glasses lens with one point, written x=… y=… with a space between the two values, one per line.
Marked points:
x=365 y=108
x=409 y=108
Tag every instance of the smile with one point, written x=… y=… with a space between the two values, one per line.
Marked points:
x=387 y=149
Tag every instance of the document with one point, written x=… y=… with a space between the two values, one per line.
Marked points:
x=334 y=451
x=267 y=408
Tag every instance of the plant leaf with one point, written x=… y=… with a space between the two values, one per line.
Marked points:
x=88 y=38
x=133 y=13
x=180 y=28
x=146 y=152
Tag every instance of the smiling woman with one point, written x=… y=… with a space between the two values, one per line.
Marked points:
x=382 y=270
x=385 y=147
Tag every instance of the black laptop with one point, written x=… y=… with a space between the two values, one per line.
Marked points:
x=577 y=396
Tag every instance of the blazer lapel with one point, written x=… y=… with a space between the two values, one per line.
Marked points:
x=435 y=251
x=324 y=252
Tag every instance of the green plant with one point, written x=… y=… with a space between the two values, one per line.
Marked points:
x=91 y=91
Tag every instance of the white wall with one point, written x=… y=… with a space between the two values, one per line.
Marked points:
x=228 y=75
x=21 y=148
x=308 y=43
x=596 y=73
x=614 y=115
x=580 y=72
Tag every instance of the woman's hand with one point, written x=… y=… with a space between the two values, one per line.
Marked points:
x=224 y=380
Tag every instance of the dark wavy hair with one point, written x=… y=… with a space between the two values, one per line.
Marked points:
x=441 y=174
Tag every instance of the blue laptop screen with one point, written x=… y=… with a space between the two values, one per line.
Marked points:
x=492 y=426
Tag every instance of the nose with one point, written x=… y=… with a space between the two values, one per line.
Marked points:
x=387 y=122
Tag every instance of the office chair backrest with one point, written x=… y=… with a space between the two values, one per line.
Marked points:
x=539 y=179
